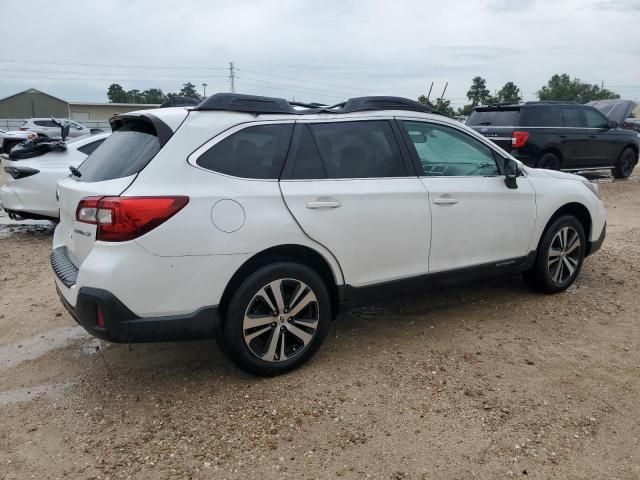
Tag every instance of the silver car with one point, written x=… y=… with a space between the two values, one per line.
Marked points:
x=50 y=128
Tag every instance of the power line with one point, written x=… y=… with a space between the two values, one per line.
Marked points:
x=300 y=80
x=280 y=86
x=118 y=75
x=113 y=65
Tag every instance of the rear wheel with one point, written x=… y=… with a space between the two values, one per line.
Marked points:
x=625 y=164
x=549 y=161
x=277 y=319
x=559 y=257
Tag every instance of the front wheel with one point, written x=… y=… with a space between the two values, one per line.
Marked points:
x=625 y=164
x=559 y=257
x=277 y=319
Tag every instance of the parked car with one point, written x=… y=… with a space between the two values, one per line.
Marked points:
x=9 y=139
x=29 y=191
x=257 y=221
x=559 y=136
x=620 y=111
x=51 y=127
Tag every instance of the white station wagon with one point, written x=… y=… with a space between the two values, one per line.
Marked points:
x=255 y=220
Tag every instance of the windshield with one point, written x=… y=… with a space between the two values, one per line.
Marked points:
x=125 y=152
x=499 y=118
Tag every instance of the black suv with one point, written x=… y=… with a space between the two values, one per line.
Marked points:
x=559 y=135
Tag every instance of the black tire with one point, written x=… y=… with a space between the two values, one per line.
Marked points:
x=625 y=163
x=543 y=276
x=248 y=298
x=549 y=161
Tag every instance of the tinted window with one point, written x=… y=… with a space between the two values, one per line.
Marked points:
x=46 y=123
x=90 y=147
x=365 y=149
x=571 y=117
x=307 y=162
x=125 y=152
x=595 y=119
x=445 y=151
x=254 y=152
x=541 y=117
x=501 y=118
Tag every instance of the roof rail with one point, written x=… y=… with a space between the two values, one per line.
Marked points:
x=257 y=105
x=542 y=102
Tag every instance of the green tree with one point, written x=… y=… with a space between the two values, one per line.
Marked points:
x=189 y=90
x=441 y=105
x=564 y=88
x=116 y=94
x=478 y=94
x=154 y=95
x=509 y=93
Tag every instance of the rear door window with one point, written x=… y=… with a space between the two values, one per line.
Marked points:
x=571 y=117
x=46 y=123
x=254 y=152
x=125 y=152
x=541 y=117
x=494 y=118
x=362 y=149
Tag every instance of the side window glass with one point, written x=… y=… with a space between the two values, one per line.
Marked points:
x=571 y=117
x=307 y=161
x=541 y=117
x=445 y=151
x=366 y=149
x=254 y=152
x=595 y=119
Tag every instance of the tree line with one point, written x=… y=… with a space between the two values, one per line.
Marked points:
x=560 y=87
x=117 y=94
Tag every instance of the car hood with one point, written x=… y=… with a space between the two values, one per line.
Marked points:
x=617 y=110
x=541 y=172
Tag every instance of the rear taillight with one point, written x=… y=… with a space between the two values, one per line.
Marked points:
x=518 y=139
x=124 y=218
x=23 y=129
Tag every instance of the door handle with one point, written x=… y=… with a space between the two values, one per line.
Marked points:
x=592 y=136
x=445 y=201
x=562 y=136
x=323 y=204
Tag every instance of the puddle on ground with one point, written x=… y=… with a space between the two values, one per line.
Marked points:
x=36 y=346
x=28 y=394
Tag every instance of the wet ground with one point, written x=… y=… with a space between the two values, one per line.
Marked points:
x=484 y=380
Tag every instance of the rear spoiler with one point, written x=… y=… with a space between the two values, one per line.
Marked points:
x=163 y=131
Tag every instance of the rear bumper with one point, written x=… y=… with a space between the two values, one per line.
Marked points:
x=105 y=316
x=121 y=325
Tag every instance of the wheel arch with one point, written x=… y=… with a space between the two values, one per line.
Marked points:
x=289 y=252
x=577 y=210
x=633 y=147
x=556 y=151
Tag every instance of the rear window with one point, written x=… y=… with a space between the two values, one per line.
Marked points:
x=541 y=117
x=494 y=118
x=125 y=152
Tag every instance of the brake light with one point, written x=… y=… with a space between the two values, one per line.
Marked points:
x=518 y=139
x=22 y=129
x=119 y=219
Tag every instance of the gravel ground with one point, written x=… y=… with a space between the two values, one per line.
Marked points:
x=485 y=380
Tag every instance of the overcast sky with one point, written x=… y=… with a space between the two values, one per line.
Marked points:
x=322 y=50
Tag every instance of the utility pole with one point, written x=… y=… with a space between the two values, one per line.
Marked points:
x=232 y=78
x=429 y=94
x=445 y=89
x=204 y=90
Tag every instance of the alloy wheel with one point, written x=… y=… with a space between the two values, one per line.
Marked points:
x=564 y=255
x=626 y=165
x=281 y=320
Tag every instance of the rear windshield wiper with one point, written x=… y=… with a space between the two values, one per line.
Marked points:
x=74 y=171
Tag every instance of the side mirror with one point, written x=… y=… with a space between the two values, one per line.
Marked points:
x=510 y=173
x=613 y=124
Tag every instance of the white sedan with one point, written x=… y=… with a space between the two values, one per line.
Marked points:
x=29 y=191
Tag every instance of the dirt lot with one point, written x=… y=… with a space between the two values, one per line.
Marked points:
x=486 y=380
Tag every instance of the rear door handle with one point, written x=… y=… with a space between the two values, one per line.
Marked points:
x=562 y=136
x=445 y=201
x=328 y=203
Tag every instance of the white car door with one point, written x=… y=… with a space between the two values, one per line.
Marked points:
x=350 y=189
x=475 y=218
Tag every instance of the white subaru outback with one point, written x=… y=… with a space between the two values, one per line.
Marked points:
x=255 y=221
